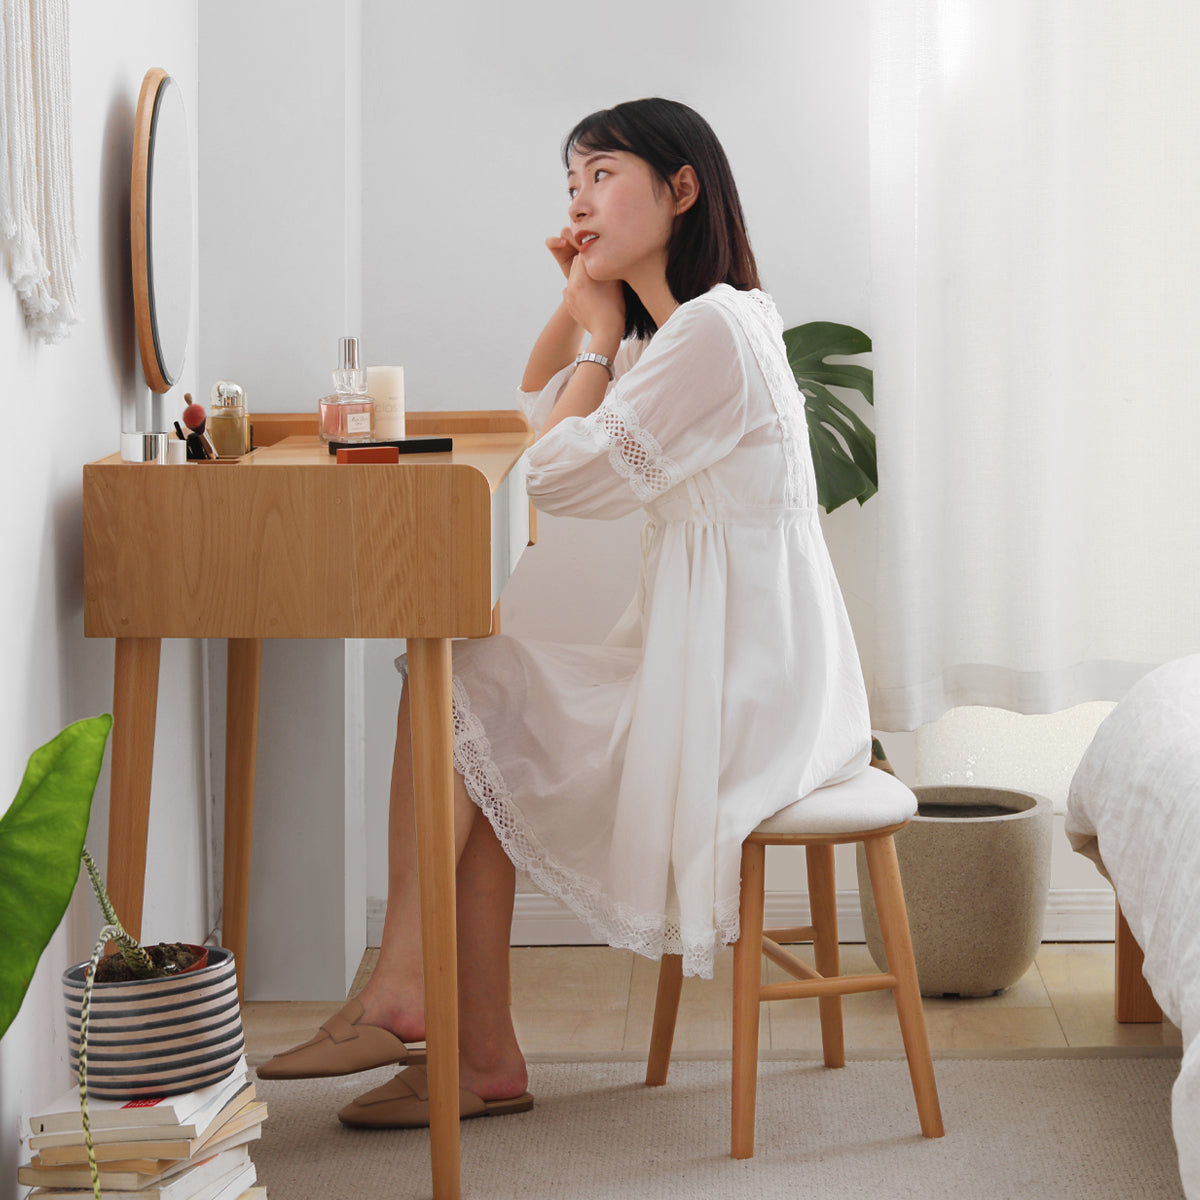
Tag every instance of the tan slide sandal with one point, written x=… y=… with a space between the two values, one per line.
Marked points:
x=341 y=1047
x=403 y=1103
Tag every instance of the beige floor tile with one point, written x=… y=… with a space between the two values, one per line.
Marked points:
x=984 y=1025
x=555 y=1033
x=855 y=959
x=1020 y=1017
x=1028 y=992
x=705 y=1021
x=1079 y=979
x=870 y=1025
x=570 y=999
x=365 y=968
x=796 y=1024
x=570 y=978
x=1074 y=969
x=273 y=1025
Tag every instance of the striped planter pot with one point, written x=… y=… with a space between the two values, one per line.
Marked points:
x=158 y=1037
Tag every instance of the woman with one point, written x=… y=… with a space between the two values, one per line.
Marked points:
x=624 y=777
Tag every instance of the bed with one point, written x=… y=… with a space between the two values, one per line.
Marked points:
x=1134 y=809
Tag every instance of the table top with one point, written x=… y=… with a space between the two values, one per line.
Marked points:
x=281 y=544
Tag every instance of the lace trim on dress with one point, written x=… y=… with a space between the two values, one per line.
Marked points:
x=765 y=338
x=633 y=451
x=649 y=934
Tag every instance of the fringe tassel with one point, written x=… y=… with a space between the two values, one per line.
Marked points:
x=37 y=201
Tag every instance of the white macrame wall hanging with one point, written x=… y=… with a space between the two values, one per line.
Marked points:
x=37 y=205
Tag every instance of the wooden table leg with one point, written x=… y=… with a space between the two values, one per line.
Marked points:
x=433 y=777
x=135 y=708
x=1134 y=1001
x=243 y=675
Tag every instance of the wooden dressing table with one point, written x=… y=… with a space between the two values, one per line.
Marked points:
x=287 y=543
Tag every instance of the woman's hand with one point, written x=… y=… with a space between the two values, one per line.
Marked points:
x=597 y=305
x=564 y=250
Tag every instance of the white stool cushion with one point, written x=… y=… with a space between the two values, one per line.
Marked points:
x=870 y=800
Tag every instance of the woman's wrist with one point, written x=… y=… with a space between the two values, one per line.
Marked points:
x=605 y=343
x=555 y=348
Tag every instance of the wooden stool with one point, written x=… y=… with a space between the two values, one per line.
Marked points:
x=869 y=808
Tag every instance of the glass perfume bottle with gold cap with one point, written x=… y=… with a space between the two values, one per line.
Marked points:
x=228 y=422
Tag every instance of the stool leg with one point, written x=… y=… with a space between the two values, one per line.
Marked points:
x=897 y=946
x=822 y=899
x=747 y=984
x=666 y=1008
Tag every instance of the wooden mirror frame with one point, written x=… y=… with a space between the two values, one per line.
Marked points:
x=157 y=372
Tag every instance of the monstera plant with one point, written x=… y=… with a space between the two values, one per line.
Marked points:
x=843 y=445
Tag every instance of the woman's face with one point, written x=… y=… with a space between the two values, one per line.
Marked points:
x=621 y=214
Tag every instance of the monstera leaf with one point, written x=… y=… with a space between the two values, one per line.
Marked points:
x=41 y=839
x=843 y=446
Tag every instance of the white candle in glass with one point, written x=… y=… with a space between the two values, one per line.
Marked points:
x=385 y=385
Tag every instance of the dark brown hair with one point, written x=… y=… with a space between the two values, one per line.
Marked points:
x=710 y=244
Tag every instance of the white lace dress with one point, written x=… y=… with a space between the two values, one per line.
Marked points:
x=623 y=777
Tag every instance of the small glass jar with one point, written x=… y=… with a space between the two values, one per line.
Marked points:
x=228 y=423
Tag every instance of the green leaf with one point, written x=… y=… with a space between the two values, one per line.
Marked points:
x=41 y=839
x=820 y=339
x=843 y=445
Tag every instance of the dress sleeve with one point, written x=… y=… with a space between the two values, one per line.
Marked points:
x=537 y=405
x=680 y=409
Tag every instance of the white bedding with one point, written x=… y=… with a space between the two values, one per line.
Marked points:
x=1134 y=808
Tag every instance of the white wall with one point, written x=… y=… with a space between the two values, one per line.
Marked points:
x=429 y=137
x=280 y=197
x=465 y=108
x=75 y=393
x=988 y=747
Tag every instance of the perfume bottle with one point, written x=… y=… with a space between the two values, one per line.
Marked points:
x=348 y=415
x=228 y=421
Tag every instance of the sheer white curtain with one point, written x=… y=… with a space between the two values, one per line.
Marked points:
x=1035 y=197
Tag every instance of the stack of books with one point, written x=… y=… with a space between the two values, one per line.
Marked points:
x=195 y=1146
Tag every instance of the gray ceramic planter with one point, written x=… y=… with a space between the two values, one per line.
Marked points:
x=975 y=863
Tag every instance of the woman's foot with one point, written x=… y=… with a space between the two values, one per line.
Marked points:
x=346 y=1044
x=495 y=1077
x=403 y=1102
x=401 y=1011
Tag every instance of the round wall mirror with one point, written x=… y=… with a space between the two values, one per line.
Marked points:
x=161 y=229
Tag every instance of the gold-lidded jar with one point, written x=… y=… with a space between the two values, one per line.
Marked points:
x=228 y=420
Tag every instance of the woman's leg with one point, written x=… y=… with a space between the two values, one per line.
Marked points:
x=491 y=1063
x=394 y=996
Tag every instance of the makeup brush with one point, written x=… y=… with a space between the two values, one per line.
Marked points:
x=194 y=418
x=195 y=447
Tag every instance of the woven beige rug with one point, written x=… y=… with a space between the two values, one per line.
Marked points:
x=1075 y=1128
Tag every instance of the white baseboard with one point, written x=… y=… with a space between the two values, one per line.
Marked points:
x=1072 y=915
